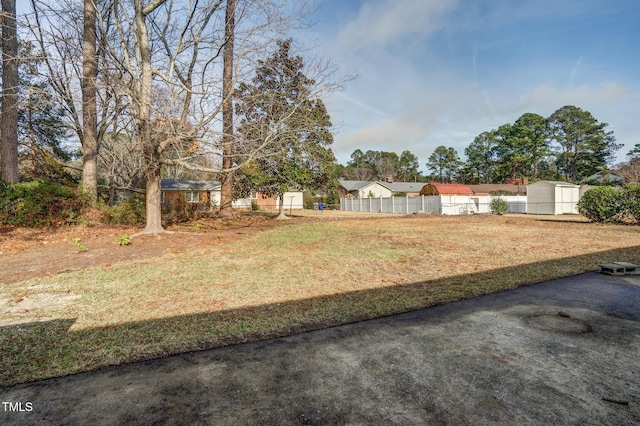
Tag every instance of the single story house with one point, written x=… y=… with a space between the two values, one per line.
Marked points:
x=552 y=197
x=364 y=189
x=205 y=193
x=410 y=189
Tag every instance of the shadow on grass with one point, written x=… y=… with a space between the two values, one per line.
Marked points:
x=46 y=349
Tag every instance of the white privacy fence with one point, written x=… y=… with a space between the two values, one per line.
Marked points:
x=442 y=204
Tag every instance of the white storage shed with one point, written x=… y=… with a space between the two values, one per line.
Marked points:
x=552 y=197
x=291 y=200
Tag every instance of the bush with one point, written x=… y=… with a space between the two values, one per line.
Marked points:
x=499 y=206
x=602 y=204
x=40 y=203
x=127 y=212
x=631 y=201
x=178 y=210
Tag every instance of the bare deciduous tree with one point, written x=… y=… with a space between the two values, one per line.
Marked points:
x=82 y=88
x=630 y=171
x=160 y=78
x=226 y=191
x=89 y=103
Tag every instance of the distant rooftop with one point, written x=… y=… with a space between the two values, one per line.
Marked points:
x=190 y=185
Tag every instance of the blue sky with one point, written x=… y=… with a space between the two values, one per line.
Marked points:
x=440 y=72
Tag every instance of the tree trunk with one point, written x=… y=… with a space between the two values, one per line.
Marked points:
x=281 y=215
x=153 y=201
x=9 y=126
x=149 y=147
x=226 y=191
x=89 y=105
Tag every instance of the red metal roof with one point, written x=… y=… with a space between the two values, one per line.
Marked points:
x=451 y=188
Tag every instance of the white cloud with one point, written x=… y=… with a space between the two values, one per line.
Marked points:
x=550 y=95
x=490 y=65
x=384 y=22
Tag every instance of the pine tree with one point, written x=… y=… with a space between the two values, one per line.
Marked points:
x=584 y=144
x=285 y=127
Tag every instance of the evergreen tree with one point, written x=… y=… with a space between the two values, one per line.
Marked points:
x=408 y=167
x=634 y=154
x=584 y=144
x=528 y=139
x=481 y=158
x=381 y=165
x=280 y=117
x=445 y=164
x=42 y=130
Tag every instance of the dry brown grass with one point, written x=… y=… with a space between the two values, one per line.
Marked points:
x=287 y=279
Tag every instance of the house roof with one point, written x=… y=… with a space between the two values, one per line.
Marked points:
x=190 y=185
x=354 y=185
x=451 y=188
x=612 y=177
x=404 y=186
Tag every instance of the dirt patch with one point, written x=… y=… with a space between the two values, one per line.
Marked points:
x=29 y=253
x=47 y=303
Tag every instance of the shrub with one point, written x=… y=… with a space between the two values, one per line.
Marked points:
x=123 y=240
x=499 y=206
x=602 y=204
x=40 y=203
x=631 y=201
x=177 y=210
x=127 y=212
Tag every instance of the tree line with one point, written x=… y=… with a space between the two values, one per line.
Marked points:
x=138 y=90
x=569 y=145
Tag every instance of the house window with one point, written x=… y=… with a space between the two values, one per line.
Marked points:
x=192 y=196
x=254 y=195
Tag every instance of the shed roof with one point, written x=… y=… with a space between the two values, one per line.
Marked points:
x=554 y=183
x=190 y=185
x=450 y=188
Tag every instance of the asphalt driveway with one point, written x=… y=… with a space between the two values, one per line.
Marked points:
x=508 y=358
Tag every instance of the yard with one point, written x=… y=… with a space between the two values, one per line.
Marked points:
x=68 y=307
